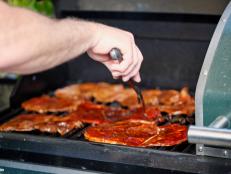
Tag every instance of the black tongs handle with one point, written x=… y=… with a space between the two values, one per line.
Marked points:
x=116 y=54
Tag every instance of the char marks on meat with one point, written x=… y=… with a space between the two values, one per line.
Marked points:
x=138 y=133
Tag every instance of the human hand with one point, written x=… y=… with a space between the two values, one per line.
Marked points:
x=107 y=38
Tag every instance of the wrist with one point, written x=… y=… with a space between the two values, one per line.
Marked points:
x=89 y=32
x=93 y=33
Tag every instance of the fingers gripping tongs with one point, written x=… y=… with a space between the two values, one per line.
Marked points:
x=116 y=54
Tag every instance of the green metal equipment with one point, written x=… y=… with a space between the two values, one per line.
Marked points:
x=212 y=132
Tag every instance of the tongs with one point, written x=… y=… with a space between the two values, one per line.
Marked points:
x=116 y=54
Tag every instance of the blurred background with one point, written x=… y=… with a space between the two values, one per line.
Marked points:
x=42 y=6
x=8 y=80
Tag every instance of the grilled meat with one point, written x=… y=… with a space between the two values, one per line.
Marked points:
x=138 y=133
x=119 y=117
x=44 y=123
x=46 y=104
x=170 y=101
x=102 y=92
x=93 y=113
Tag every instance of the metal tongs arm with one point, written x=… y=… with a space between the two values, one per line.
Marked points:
x=116 y=54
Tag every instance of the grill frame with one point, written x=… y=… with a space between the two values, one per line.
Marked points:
x=113 y=154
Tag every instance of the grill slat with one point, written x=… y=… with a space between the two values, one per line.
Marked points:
x=77 y=135
x=191 y=148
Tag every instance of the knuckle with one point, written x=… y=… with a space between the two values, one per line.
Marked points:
x=115 y=74
x=128 y=71
x=134 y=73
x=127 y=62
x=125 y=78
x=130 y=35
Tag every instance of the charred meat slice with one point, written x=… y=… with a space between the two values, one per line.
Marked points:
x=172 y=102
x=137 y=133
x=46 y=104
x=92 y=113
x=182 y=103
x=102 y=92
x=44 y=123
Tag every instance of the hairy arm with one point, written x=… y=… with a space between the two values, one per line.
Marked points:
x=30 y=42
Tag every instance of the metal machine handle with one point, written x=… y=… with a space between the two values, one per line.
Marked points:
x=212 y=135
x=209 y=136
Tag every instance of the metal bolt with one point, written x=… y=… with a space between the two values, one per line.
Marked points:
x=205 y=72
x=224 y=20
x=200 y=149
x=225 y=152
x=34 y=78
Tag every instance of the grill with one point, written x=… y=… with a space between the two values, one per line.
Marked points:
x=185 y=36
x=78 y=134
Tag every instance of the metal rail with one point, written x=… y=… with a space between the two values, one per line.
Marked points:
x=212 y=135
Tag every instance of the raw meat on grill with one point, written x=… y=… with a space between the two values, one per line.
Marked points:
x=138 y=133
x=46 y=104
x=93 y=113
x=44 y=123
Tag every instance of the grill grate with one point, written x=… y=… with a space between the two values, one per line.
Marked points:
x=77 y=134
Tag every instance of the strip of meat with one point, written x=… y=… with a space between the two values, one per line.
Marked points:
x=127 y=97
x=153 y=97
x=93 y=113
x=102 y=92
x=168 y=135
x=44 y=123
x=138 y=133
x=69 y=92
x=170 y=101
x=181 y=103
x=46 y=104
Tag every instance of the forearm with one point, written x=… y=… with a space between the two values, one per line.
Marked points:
x=30 y=42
